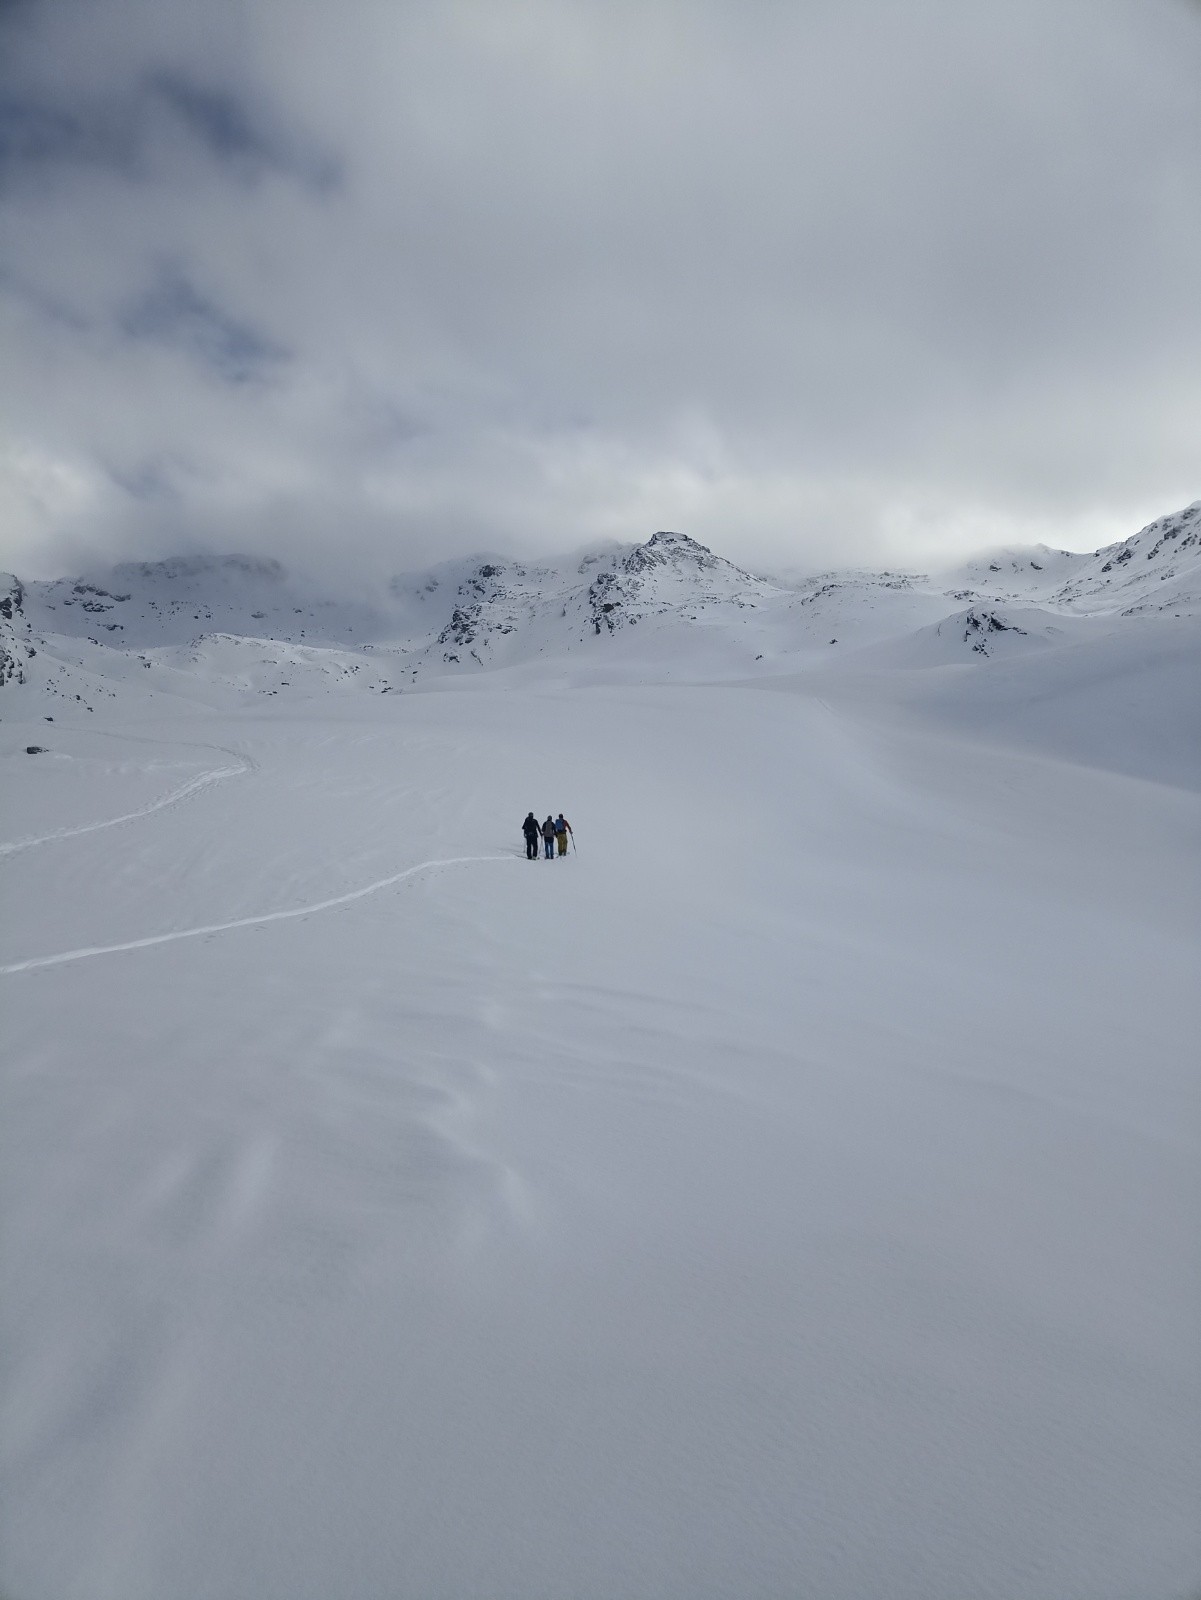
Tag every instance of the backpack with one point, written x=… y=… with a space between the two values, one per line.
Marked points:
x=560 y=825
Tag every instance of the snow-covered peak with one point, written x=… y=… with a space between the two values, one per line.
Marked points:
x=1026 y=569
x=1184 y=526
x=674 y=549
x=1156 y=569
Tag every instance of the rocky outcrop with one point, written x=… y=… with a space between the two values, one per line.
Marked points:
x=980 y=626
x=16 y=648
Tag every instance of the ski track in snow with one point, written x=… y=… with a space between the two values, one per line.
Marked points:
x=241 y=922
x=203 y=780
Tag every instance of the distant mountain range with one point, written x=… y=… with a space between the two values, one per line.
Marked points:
x=668 y=608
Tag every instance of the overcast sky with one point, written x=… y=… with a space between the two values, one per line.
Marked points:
x=363 y=283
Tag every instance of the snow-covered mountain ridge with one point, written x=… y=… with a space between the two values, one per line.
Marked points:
x=669 y=607
x=1156 y=569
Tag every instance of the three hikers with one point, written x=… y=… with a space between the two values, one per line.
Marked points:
x=552 y=830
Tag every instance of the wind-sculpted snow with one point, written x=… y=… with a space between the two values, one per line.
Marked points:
x=789 y=1193
x=193 y=786
x=206 y=930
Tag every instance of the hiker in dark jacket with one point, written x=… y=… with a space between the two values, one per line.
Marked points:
x=531 y=830
x=548 y=837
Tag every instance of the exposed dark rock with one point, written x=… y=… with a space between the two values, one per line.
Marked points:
x=15 y=650
x=978 y=625
x=461 y=627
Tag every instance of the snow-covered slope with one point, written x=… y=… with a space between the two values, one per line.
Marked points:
x=791 y=1193
x=153 y=603
x=983 y=630
x=1156 y=569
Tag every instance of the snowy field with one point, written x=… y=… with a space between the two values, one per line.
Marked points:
x=792 y=1193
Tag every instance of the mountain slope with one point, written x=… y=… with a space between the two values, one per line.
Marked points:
x=204 y=627
x=1156 y=569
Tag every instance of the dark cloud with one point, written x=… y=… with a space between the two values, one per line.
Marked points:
x=821 y=282
x=173 y=312
x=239 y=136
x=34 y=138
x=134 y=130
x=219 y=120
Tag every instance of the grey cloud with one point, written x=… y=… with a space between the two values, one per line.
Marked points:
x=36 y=136
x=149 y=482
x=132 y=117
x=238 y=136
x=20 y=291
x=174 y=312
x=814 y=282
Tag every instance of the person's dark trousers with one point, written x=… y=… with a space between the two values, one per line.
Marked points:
x=550 y=849
x=531 y=848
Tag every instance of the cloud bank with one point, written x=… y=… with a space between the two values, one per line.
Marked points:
x=362 y=285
